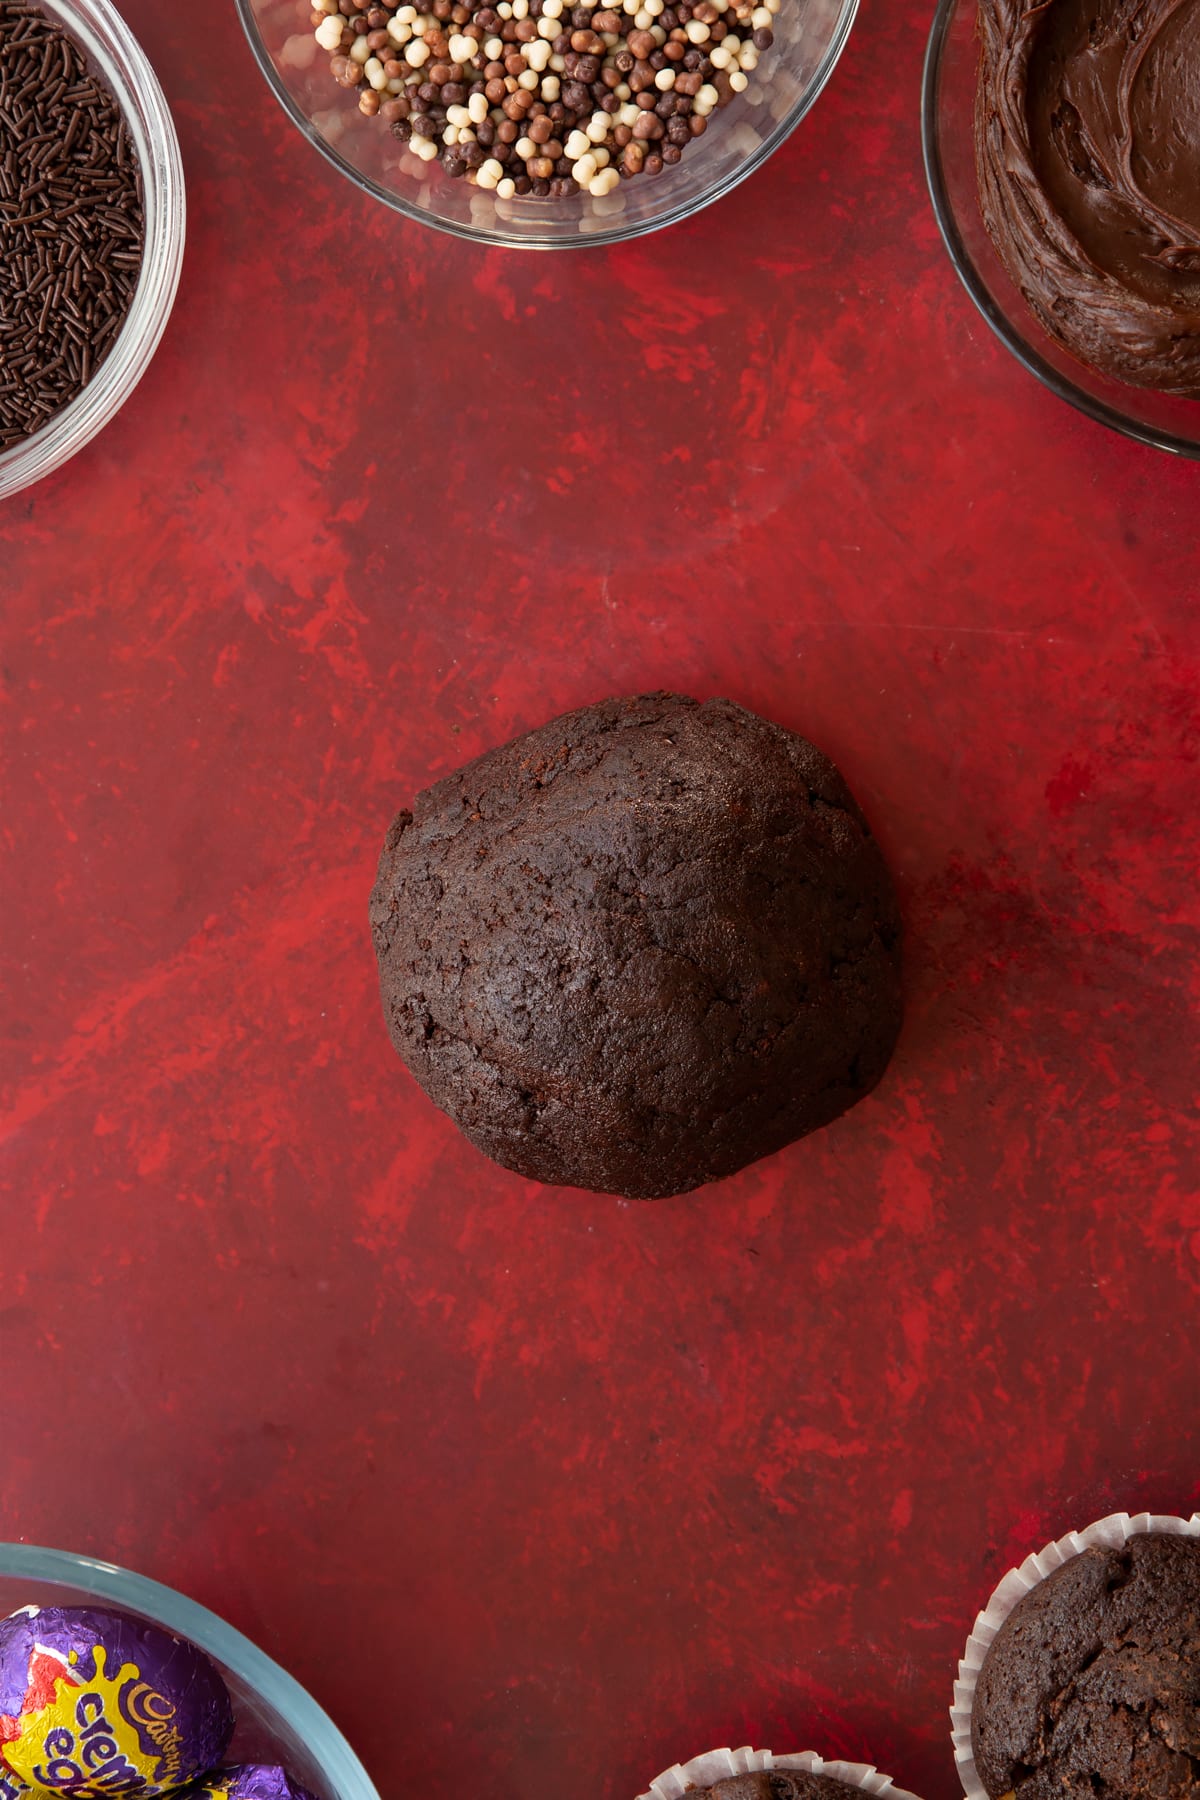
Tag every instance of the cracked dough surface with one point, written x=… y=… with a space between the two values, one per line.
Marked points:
x=1092 y=1685
x=639 y=947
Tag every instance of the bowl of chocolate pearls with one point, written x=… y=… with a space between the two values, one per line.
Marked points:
x=91 y=227
x=547 y=124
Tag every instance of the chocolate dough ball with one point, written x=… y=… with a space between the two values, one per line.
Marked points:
x=640 y=947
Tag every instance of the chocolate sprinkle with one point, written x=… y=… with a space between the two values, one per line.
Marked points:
x=71 y=222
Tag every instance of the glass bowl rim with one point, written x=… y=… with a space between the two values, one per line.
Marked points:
x=187 y=1618
x=614 y=234
x=108 y=40
x=968 y=273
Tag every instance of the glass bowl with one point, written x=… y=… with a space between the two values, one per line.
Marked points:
x=947 y=131
x=809 y=37
x=276 y=1720
x=116 y=54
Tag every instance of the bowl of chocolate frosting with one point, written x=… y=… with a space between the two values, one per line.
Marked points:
x=1062 y=150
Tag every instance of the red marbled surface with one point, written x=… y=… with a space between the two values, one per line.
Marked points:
x=602 y=1484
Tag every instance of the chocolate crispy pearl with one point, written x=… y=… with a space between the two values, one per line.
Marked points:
x=639 y=947
x=1092 y=1685
x=779 y=1784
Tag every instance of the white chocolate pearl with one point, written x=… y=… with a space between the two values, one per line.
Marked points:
x=462 y=49
x=719 y=58
x=664 y=81
x=749 y=58
x=329 y=32
x=604 y=183
x=551 y=87
x=425 y=148
x=552 y=9
x=578 y=144
x=490 y=173
x=739 y=82
x=506 y=189
x=477 y=109
x=537 y=55
x=558 y=63
x=583 y=170
x=494 y=49
x=708 y=96
x=697 y=31
x=597 y=128
x=525 y=148
x=527 y=80
x=415 y=53
x=360 y=50
x=373 y=70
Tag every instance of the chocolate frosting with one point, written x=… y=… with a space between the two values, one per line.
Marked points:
x=1087 y=147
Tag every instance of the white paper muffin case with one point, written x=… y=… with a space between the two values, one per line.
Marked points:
x=1107 y=1534
x=717 y=1765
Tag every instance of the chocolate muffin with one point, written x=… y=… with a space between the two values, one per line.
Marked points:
x=640 y=947
x=779 y=1784
x=1092 y=1684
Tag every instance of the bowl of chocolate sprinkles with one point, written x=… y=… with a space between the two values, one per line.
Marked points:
x=91 y=227
x=547 y=124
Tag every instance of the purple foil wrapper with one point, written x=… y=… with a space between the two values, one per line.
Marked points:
x=169 y=1709
x=250 y=1781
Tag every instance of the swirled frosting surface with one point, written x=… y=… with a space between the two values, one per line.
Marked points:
x=1087 y=142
